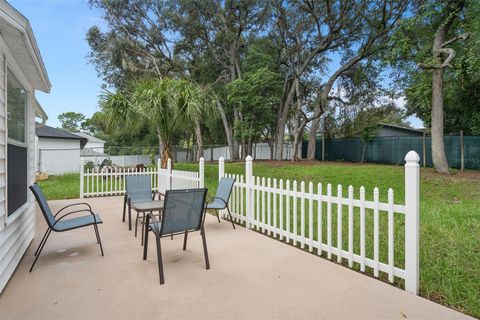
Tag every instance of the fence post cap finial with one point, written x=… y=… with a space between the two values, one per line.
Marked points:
x=412 y=156
x=249 y=158
x=201 y=159
x=221 y=159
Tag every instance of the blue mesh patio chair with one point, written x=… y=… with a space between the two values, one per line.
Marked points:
x=60 y=224
x=138 y=188
x=220 y=201
x=183 y=213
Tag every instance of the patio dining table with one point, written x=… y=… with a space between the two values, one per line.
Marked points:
x=144 y=207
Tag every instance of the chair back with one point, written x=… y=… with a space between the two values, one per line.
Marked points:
x=224 y=189
x=42 y=202
x=139 y=188
x=183 y=210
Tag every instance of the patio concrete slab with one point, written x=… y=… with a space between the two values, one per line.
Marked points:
x=251 y=277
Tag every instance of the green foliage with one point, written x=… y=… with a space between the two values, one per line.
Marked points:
x=369 y=133
x=169 y=106
x=256 y=96
x=412 y=45
x=89 y=165
x=71 y=120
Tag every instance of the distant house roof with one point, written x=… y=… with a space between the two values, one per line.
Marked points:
x=394 y=126
x=86 y=152
x=89 y=137
x=54 y=133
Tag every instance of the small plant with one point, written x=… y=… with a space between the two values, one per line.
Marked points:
x=89 y=165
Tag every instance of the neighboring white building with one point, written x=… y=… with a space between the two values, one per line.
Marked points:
x=21 y=73
x=93 y=143
x=58 y=151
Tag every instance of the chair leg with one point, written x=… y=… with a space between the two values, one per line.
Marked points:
x=160 y=261
x=43 y=239
x=39 y=249
x=145 y=242
x=124 y=207
x=185 y=241
x=136 y=223
x=96 y=233
x=231 y=218
x=218 y=215
x=129 y=217
x=98 y=238
x=143 y=229
x=204 y=214
x=205 y=251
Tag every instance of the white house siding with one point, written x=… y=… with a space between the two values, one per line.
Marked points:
x=58 y=156
x=95 y=146
x=16 y=231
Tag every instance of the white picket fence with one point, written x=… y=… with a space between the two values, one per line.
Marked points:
x=97 y=183
x=302 y=214
x=307 y=215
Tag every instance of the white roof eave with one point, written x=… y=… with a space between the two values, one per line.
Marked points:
x=18 y=21
x=39 y=112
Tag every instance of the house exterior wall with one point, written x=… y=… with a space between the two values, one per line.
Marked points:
x=393 y=132
x=95 y=146
x=58 y=156
x=16 y=230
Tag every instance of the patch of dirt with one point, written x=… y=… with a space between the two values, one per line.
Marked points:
x=456 y=175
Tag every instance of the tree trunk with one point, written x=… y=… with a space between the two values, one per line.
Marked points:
x=312 y=138
x=282 y=121
x=439 y=157
x=198 y=137
x=296 y=142
x=228 y=132
x=166 y=154
x=363 y=151
x=160 y=147
x=270 y=144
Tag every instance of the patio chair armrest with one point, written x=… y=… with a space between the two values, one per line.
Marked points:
x=159 y=194
x=76 y=204
x=72 y=212
x=151 y=219
x=220 y=200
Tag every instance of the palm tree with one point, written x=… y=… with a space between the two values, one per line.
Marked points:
x=168 y=105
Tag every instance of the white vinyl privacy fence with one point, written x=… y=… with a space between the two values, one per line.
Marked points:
x=380 y=235
x=110 y=182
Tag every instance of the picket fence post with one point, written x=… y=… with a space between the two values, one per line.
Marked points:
x=221 y=168
x=82 y=173
x=170 y=175
x=159 y=166
x=249 y=192
x=412 y=222
x=201 y=172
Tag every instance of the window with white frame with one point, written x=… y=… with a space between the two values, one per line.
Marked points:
x=17 y=99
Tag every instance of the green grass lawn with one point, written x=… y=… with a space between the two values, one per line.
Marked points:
x=449 y=218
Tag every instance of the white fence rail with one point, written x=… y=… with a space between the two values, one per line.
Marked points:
x=341 y=224
x=97 y=183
